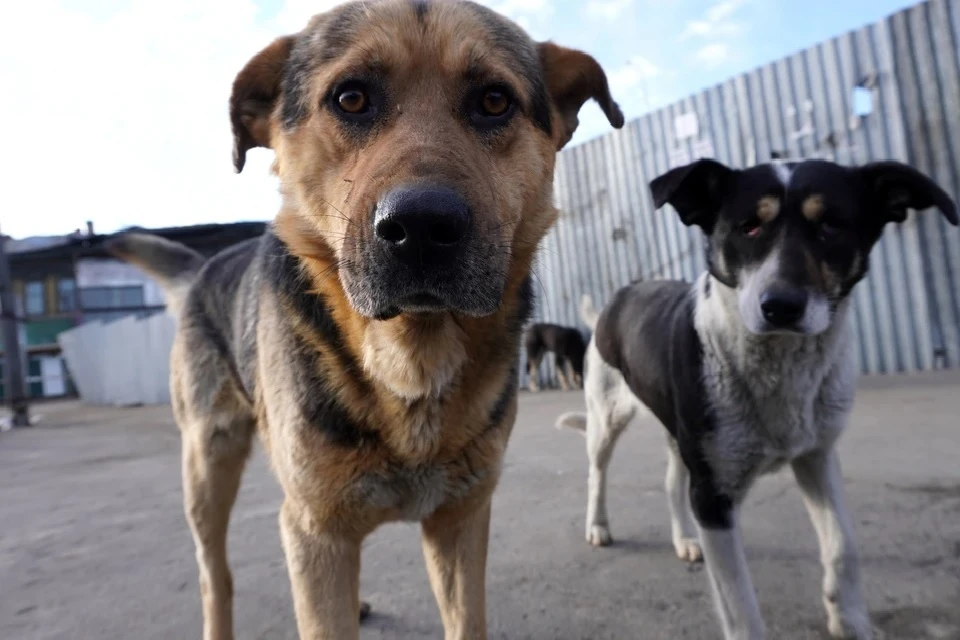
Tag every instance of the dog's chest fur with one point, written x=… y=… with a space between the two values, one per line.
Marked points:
x=773 y=398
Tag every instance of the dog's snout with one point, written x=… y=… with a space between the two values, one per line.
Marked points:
x=783 y=307
x=425 y=225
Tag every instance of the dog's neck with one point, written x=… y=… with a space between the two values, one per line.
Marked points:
x=761 y=356
x=415 y=357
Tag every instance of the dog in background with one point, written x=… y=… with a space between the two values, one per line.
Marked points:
x=568 y=348
x=371 y=336
x=751 y=367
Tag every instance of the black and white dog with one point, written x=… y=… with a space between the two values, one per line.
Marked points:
x=751 y=367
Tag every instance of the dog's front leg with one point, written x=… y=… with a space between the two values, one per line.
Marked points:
x=324 y=576
x=821 y=482
x=726 y=562
x=455 y=548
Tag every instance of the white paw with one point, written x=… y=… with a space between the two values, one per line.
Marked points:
x=688 y=549
x=852 y=626
x=598 y=535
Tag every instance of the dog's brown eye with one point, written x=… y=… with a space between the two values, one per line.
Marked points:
x=495 y=103
x=353 y=101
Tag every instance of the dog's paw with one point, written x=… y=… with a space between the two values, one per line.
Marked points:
x=688 y=549
x=364 y=611
x=852 y=627
x=598 y=535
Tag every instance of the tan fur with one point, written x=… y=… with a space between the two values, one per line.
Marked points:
x=812 y=207
x=427 y=384
x=768 y=208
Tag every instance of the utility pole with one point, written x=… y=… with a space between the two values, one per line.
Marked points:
x=15 y=387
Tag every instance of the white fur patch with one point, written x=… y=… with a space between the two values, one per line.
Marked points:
x=753 y=284
x=775 y=396
x=783 y=173
x=414 y=365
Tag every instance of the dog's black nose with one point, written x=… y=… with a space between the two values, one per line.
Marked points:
x=425 y=225
x=783 y=307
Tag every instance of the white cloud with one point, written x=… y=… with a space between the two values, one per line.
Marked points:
x=706 y=29
x=631 y=75
x=122 y=118
x=716 y=22
x=713 y=55
x=610 y=10
x=723 y=10
x=716 y=29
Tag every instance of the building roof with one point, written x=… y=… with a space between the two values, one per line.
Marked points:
x=205 y=238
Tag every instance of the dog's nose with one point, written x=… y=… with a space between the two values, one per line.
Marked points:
x=425 y=225
x=783 y=307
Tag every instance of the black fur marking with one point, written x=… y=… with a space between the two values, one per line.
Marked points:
x=319 y=403
x=712 y=509
x=524 y=305
x=296 y=76
x=324 y=44
x=321 y=407
x=209 y=308
x=647 y=333
x=421 y=8
x=506 y=396
x=341 y=29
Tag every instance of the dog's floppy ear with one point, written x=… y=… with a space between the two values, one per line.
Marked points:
x=572 y=78
x=255 y=92
x=895 y=188
x=694 y=190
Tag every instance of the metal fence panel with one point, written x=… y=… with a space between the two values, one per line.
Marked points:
x=907 y=311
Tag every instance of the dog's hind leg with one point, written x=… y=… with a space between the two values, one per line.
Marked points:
x=214 y=456
x=533 y=373
x=604 y=426
x=821 y=483
x=561 y=365
x=682 y=527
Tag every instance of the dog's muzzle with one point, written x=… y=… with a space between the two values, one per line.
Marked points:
x=424 y=254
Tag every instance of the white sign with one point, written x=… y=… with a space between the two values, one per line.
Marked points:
x=686 y=126
x=679 y=157
x=703 y=149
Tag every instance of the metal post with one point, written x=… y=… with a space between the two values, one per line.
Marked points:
x=15 y=387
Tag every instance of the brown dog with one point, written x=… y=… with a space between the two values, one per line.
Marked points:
x=372 y=335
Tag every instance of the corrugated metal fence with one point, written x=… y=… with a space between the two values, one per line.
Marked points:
x=887 y=91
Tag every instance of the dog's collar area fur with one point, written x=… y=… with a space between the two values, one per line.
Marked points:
x=415 y=358
x=724 y=335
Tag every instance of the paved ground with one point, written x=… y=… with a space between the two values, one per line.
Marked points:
x=93 y=543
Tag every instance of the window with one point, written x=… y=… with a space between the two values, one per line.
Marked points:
x=33 y=302
x=66 y=295
x=111 y=297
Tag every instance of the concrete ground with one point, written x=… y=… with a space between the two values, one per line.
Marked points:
x=93 y=543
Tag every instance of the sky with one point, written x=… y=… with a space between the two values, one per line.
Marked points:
x=115 y=111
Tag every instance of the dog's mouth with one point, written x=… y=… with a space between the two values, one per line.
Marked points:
x=381 y=288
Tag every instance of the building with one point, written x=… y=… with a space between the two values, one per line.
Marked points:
x=60 y=282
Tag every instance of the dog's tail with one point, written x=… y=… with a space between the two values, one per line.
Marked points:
x=588 y=313
x=172 y=264
x=573 y=420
